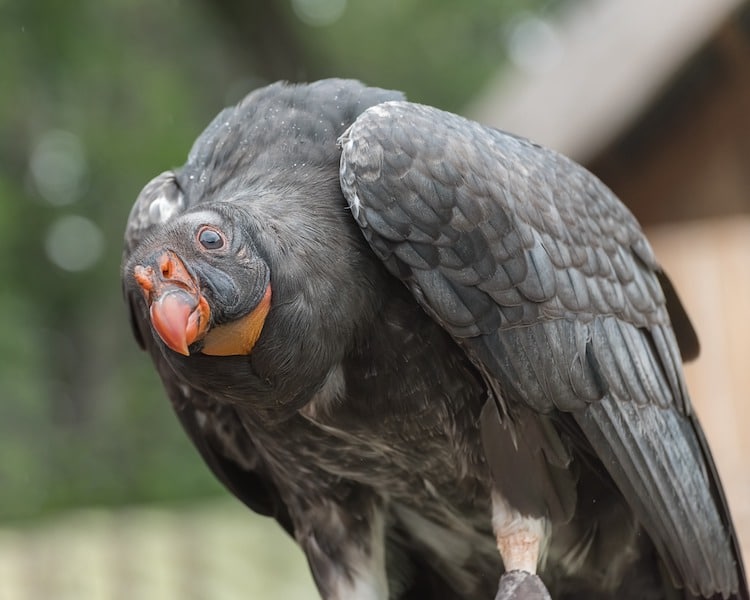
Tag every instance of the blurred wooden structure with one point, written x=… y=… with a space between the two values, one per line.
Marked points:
x=655 y=99
x=709 y=262
x=216 y=551
x=688 y=155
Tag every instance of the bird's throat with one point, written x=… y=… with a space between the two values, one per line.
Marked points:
x=238 y=337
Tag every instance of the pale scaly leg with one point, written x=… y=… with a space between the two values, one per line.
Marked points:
x=519 y=540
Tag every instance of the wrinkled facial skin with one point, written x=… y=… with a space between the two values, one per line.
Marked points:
x=207 y=289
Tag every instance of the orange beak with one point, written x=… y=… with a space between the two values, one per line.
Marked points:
x=179 y=312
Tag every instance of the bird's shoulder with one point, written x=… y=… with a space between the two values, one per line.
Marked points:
x=491 y=229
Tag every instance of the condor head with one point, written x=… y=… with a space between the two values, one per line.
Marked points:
x=206 y=287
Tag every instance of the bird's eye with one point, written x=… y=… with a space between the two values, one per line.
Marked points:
x=210 y=239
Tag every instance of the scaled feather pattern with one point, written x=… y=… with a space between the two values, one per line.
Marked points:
x=464 y=327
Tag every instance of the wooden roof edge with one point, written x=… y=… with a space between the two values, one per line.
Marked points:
x=607 y=61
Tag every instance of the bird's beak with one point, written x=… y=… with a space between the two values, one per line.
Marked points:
x=179 y=312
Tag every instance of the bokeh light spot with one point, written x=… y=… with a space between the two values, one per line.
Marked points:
x=319 y=13
x=58 y=166
x=74 y=243
x=534 y=45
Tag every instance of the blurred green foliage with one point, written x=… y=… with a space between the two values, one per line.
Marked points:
x=97 y=98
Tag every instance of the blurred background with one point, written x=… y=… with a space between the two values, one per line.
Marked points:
x=101 y=496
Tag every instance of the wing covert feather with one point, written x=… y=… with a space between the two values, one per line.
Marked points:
x=547 y=282
x=512 y=248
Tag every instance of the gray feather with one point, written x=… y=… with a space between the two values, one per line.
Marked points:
x=551 y=287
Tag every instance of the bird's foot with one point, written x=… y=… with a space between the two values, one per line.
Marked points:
x=521 y=585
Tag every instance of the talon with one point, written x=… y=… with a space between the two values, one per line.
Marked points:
x=520 y=585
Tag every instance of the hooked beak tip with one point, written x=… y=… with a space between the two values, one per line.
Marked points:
x=170 y=316
x=179 y=312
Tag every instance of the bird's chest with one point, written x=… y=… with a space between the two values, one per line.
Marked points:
x=407 y=429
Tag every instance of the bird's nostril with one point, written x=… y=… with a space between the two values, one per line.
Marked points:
x=166 y=267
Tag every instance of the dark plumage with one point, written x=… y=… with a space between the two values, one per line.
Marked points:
x=404 y=335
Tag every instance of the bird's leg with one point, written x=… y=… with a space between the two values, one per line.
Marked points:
x=345 y=550
x=519 y=540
